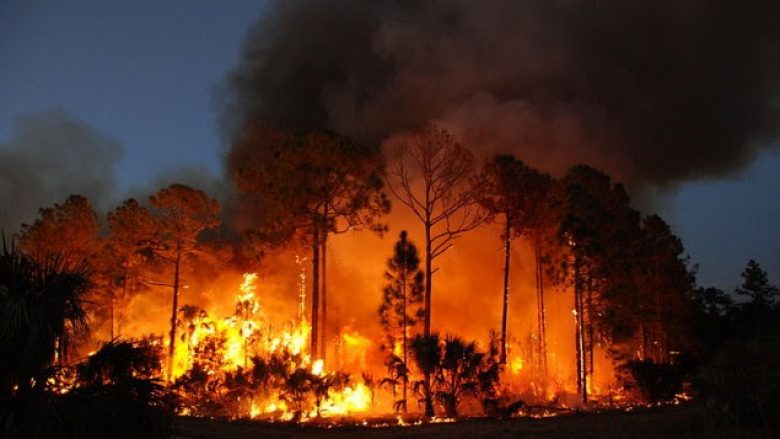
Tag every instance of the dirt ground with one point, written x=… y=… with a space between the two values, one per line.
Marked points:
x=685 y=421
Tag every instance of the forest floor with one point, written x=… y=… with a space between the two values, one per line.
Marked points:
x=688 y=420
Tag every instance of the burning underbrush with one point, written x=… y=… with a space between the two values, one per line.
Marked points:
x=249 y=366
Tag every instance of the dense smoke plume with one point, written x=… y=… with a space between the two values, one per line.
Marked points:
x=653 y=92
x=49 y=156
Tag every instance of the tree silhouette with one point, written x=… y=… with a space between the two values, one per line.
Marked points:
x=511 y=190
x=297 y=388
x=663 y=284
x=458 y=373
x=398 y=375
x=42 y=316
x=542 y=230
x=400 y=302
x=426 y=354
x=130 y=227
x=433 y=173
x=596 y=233
x=120 y=361
x=315 y=184
x=181 y=214
x=451 y=369
x=116 y=393
x=756 y=286
x=763 y=295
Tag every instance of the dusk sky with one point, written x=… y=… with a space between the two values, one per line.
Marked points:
x=144 y=73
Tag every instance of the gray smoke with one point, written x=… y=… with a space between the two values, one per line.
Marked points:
x=197 y=177
x=654 y=92
x=51 y=155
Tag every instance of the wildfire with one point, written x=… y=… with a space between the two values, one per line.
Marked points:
x=316 y=367
x=355 y=399
x=250 y=364
x=516 y=365
x=228 y=350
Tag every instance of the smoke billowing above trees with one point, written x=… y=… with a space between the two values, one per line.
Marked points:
x=51 y=155
x=656 y=93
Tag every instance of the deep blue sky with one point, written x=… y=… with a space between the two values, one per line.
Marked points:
x=143 y=72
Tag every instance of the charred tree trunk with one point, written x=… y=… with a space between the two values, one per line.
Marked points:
x=589 y=321
x=111 y=309
x=507 y=256
x=324 y=295
x=577 y=353
x=175 y=301
x=405 y=340
x=429 y=413
x=122 y=301
x=125 y=280
x=661 y=350
x=428 y=278
x=315 y=290
x=582 y=381
x=541 y=317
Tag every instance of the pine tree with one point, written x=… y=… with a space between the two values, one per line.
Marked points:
x=401 y=301
x=182 y=213
x=310 y=185
x=512 y=192
x=756 y=285
x=762 y=294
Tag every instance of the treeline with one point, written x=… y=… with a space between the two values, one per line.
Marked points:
x=739 y=336
x=630 y=277
x=633 y=286
x=139 y=246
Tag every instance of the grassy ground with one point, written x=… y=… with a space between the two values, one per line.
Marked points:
x=685 y=421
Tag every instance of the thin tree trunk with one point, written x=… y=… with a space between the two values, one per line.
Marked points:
x=581 y=348
x=315 y=290
x=111 y=309
x=429 y=413
x=507 y=253
x=661 y=336
x=590 y=342
x=539 y=323
x=324 y=283
x=583 y=352
x=428 y=278
x=245 y=316
x=122 y=300
x=405 y=336
x=540 y=305
x=324 y=295
x=577 y=353
x=582 y=381
x=175 y=301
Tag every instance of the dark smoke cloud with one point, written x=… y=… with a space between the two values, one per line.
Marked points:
x=51 y=155
x=655 y=92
